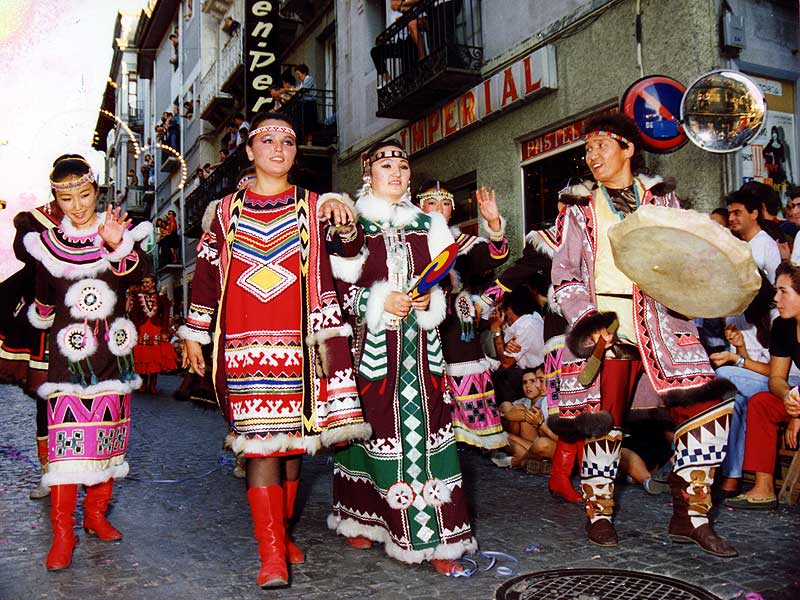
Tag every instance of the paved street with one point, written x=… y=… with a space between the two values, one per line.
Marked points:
x=188 y=531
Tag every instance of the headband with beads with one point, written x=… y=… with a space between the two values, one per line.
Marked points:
x=611 y=134
x=437 y=195
x=272 y=129
x=367 y=161
x=61 y=186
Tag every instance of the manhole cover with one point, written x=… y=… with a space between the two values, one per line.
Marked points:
x=598 y=584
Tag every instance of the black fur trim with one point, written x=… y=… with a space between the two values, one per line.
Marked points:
x=572 y=199
x=664 y=187
x=581 y=332
x=716 y=389
x=586 y=425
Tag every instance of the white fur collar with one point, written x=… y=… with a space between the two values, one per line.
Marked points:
x=649 y=181
x=381 y=211
x=73 y=232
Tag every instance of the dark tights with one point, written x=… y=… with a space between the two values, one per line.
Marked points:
x=262 y=472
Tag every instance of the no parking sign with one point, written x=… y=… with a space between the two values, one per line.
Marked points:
x=654 y=103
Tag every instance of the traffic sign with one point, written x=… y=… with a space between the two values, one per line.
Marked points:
x=654 y=103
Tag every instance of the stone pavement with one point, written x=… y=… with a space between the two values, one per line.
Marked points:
x=188 y=531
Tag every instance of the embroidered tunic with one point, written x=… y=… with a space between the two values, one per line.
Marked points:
x=80 y=291
x=403 y=486
x=154 y=352
x=282 y=368
x=476 y=419
x=23 y=348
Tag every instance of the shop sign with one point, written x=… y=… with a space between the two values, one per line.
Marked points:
x=261 y=53
x=529 y=77
x=552 y=140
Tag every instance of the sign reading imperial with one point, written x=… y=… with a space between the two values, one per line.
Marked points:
x=526 y=78
x=262 y=65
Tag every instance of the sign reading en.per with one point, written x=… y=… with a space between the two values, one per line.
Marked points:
x=654 y=102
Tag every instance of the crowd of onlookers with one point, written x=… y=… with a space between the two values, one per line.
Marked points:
x=739 y=347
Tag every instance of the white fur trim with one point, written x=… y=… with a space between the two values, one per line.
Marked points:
x=55 y=476
x=208 y=216
x=70 y=230
x=114 y=386
x=535 y=240
x=186 y=333
x=277 y=443
x=343 y=198
x=383 y=212
x=437 y=309
x=468 y=368
x=35 y=247
x=88 y=341
x=345 y=330
x=103 y=301
x=439 y=236
x=349 y=269
x=400 y=495
x=141 y=231
x=127 y=328
x=435 y=492
x=346 y=433
x=582 y=189
x=117 y=254
x=376 y=314
x=495 y=236
x=38 y=321
x=490 y=442
x=649 y=181
x=352 y=528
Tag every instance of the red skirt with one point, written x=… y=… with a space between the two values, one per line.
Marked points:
x=153 y=352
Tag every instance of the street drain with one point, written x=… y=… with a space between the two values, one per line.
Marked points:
x=598 y=584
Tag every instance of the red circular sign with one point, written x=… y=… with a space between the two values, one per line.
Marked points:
x=654 y=103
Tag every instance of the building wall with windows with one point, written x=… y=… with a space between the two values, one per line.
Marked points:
x=595 y=48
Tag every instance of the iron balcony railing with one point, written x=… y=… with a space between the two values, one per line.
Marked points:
x=314 y=114
x=219 y=184
x=231 y=58
x=434 y=39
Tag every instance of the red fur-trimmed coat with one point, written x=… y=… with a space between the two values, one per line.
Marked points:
x=674 y=360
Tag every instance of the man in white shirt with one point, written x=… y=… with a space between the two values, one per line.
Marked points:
x=743 y=210
x=521 y=346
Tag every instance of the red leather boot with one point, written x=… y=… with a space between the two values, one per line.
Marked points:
x=94 y=512
x=294 y=554
x=266 y=506
x=62 y=507
x=562 y=462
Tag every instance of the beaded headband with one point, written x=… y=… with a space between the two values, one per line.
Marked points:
x=272 y=129
x=611 y=134
x=60 y=186
x=367 y=161
x=437 y=195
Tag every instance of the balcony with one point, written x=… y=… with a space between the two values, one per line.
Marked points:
x=433 y=53
x=314 y=114
x=231 y=64
x=138 y=202
x=214 y=103
x=135 y=118
x=220 y=183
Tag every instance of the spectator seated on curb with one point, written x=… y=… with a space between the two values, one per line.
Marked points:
x=523 y=420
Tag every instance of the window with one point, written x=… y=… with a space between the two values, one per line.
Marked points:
x=133 y=96
x=465 y=209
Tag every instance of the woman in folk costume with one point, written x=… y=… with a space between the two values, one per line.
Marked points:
x=23 y=348
x=153 y=354
x=281 y=364
x=402 y=487
x=654 y=360
x=476 y=419
x=84 y=267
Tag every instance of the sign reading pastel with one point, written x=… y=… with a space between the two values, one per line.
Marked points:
x=435 y=271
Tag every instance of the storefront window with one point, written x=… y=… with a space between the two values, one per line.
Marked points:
x=544 y=178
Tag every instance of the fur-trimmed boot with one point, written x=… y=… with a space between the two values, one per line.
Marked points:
x=41 y=490
x=63 y=499
x=562 y=463
x=266 y=506
x=95 y=506
x=598 y=471
x=700 y=444
x=293 y=553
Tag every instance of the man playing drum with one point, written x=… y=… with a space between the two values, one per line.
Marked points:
x=653 y=360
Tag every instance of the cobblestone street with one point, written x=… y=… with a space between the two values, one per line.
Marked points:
x=188 y=533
